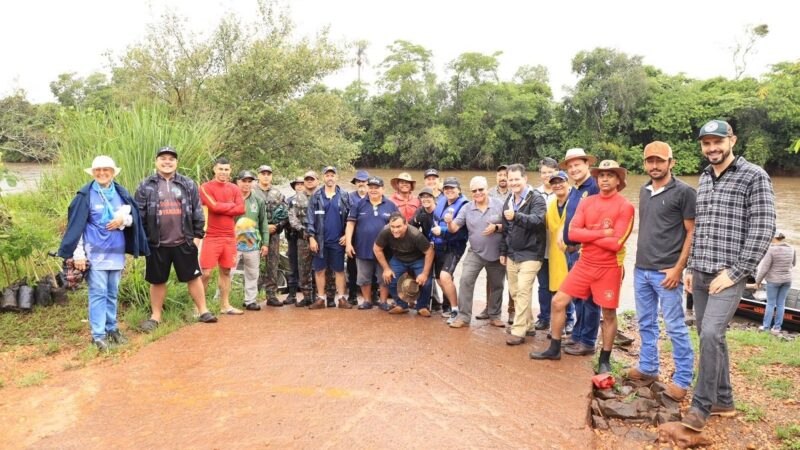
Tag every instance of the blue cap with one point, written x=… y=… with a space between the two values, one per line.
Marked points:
x=560 y=174
x=328 y=169
x=361 y=175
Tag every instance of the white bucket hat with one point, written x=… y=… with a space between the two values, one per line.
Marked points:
x=103 y=161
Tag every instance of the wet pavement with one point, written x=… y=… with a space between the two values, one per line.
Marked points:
x=295 y=378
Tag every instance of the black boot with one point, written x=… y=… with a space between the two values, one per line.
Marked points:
x=291 y=299
x=553 y=352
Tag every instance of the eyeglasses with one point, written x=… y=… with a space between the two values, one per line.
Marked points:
x=375 y=210
x=475 y=191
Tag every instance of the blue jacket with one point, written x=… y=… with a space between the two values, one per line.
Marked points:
x=78 y=216
x=447 y=241
x=315 y=219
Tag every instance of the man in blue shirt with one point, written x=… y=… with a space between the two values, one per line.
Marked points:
x=360 y=182
x=365 y=221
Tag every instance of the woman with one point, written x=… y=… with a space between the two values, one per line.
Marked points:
x=776 y=268
x=102 y=225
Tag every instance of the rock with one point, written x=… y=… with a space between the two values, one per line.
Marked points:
x=663 y=417
x=638 y=434
x=625 y=391
x=644 y=392
x=596 y=408
x=751 y=446
x=657 y=387
x=619 y=431
x=605 y=394
x=645 y=404
x=599 y=423
x=675 y=433
x=641 y=383
x=618 y=409
x=667 y=402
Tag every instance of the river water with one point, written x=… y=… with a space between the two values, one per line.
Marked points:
x=787 y=197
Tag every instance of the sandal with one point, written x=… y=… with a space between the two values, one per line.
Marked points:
x=148 y=325
x=232 y=312
x=207 y=317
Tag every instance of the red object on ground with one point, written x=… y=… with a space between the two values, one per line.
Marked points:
x=603 y=381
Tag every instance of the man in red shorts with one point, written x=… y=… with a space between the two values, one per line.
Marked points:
x=602 y=224
x=224 y=202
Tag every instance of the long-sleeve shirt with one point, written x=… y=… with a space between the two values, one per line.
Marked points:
x=224 y=202
x=407 y=206
x=255 y=209
x=776 y=267
x=734 y=220
x=594 y=216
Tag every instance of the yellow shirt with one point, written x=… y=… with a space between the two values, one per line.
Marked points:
x=557 y=260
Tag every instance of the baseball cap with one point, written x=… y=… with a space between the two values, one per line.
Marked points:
x=425 y=191
x=167 y=150
x=716 y=128
x=431 y=173
x=327 y=169
x=501 y=167
x=361 y=175
x=244 y=174
x=265 y=168
x=659 y=149
x=295 y=182
x=311 y=174
x=559 y=175
x=451 y=182
x=375 y=181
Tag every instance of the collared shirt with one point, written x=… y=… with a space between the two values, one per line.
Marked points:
x=495 y=193
x=549 y=197
x=476 y=221
x=516 y=202
x=661 y=228
x=369 y=220
x=734 y=220
x=587 y=188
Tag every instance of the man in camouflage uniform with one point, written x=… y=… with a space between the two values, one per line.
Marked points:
x=297 y=220
x=277 y=213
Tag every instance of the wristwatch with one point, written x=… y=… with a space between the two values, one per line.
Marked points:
x=496 y=227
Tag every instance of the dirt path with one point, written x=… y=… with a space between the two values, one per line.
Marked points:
x=296 y=378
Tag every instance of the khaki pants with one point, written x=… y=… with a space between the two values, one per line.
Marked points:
x=520 y=284
x=251 y=262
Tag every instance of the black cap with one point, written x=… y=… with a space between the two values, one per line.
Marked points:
x=431 y=173
x=246 y=174
x=425 y=191
x=716 y=128
x=501 y=167
x=167 y=150
x=375 y=181
x=451 y=182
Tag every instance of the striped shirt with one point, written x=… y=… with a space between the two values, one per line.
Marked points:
x=734 y=220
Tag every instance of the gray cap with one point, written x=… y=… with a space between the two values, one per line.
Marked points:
x=431 y=173
x=451 y=182
x=265 y=168
x=425 y=191
x=311 y=174
x=244 y=174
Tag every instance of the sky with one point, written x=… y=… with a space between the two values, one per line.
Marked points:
x=41 y=39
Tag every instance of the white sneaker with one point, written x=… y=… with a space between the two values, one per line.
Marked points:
x=762 y=328
x=453 y=315
x=775 y=331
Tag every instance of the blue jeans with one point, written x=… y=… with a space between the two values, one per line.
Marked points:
x=649 y=294
x=776 y=295
x=587 y=313
x=103 y=290
x=399 y=268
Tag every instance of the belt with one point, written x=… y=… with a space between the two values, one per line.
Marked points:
x=573 y=248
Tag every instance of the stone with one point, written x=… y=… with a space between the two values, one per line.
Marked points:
x=625 y=390
x=596 y=408
x=641 y=383
x=618 y=409
x=644 y=392
x=645 y=405
x=667 y=402
x=618 y=430
x=677 y=434
x=605 y=394
x=599 y=422
x=663 y=417
x=638 y=434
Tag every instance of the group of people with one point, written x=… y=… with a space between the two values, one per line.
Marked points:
x=569 y=233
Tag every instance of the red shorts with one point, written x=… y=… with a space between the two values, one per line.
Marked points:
x=602 y=283
x=218 y=250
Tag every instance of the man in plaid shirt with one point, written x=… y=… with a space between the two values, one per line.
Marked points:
x=734 y=222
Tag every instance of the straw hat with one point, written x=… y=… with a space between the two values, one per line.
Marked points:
x=404 y=176
x=103 y=162
x=575 y=153
x=609 y=165
x=407 y=288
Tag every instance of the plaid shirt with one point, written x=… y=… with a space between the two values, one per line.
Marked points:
x=735 y=220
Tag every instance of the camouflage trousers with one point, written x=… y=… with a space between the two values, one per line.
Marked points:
x=305 y=279
x=268 y=279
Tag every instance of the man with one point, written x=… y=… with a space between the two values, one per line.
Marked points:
x=298 y=221
x=522 y=248
x=449 y=246
x=601 y=224
x=291 y=241
x=360 y=182
x=252 y=237
x=169 y=206
x=666 y=224
x=555 y=218
x=410 y=251
x=547 y=167
x=365 y=221
x=403 y=186
x=277 y=213
x=482 y=218
x=224 y=202
x=735 y=222
x=586 y=320
x=499 y=192
x=432 y=182
x=326 y=221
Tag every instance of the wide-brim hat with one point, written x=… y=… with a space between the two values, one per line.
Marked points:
x=575 y=153
x=407 y=288
x=295 y=182
x=403 y=176
x=101 y=162
x=609 y=165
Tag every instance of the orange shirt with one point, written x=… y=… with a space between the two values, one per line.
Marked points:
x=406 y=207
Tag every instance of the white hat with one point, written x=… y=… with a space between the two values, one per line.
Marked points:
x=103 y=161
x=574 y=153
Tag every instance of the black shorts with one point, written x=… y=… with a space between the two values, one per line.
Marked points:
x=183 y=257
x=446 y=261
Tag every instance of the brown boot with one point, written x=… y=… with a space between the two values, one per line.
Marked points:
x=319 y=303
x=343 y=303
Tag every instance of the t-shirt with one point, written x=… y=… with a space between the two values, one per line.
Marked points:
x=411 y=247
x=661 y=229
x=596 y=214
x=170 y=219
x=333 y=222
x=105 y=250
x=370 y=220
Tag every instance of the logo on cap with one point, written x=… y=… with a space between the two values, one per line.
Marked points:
x=712 y=126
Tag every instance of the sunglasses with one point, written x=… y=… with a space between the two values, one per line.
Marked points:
x=475 y=191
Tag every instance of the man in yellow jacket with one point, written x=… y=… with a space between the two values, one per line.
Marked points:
x=555 y=219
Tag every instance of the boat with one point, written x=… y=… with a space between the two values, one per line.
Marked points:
x=754 y=303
